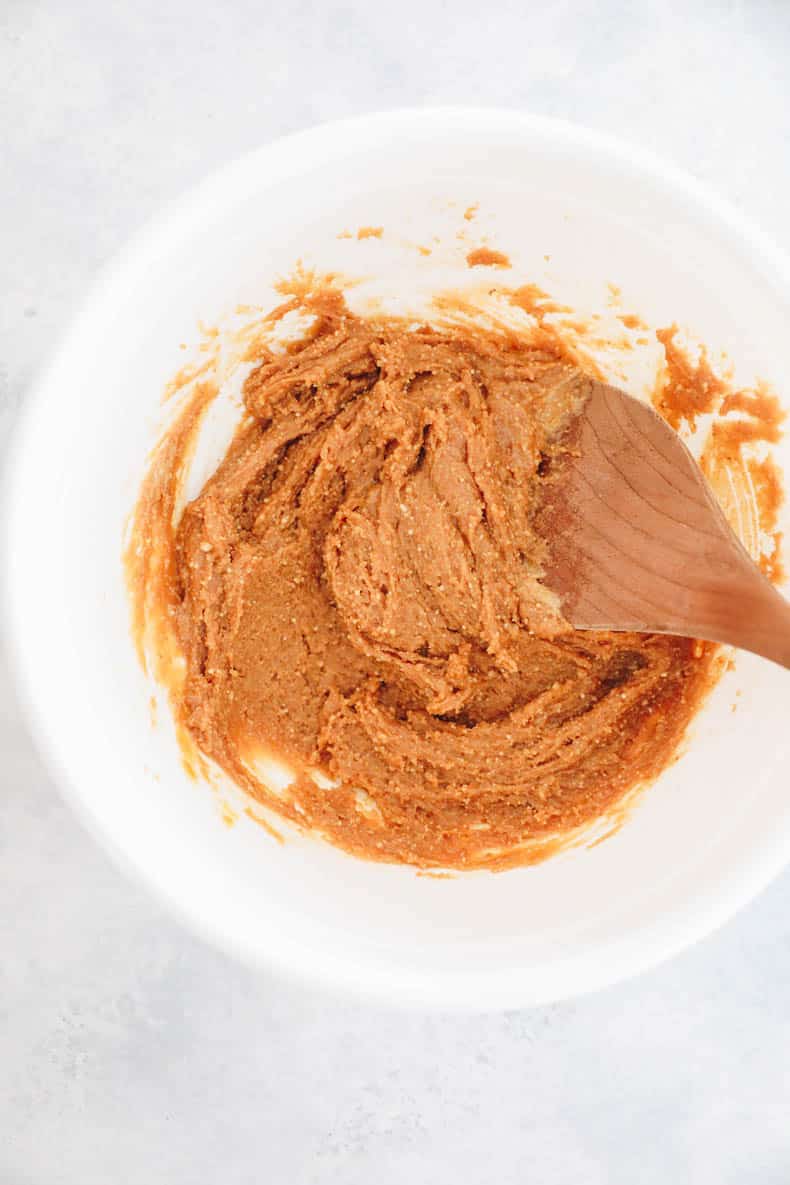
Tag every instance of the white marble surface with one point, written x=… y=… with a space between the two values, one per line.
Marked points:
x=131 y=1053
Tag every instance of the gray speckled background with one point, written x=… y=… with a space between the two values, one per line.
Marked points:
x=129 y=1052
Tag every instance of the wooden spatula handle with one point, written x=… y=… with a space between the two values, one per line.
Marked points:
x=751 y=614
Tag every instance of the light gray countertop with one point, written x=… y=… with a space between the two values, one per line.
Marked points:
x=131 y=1053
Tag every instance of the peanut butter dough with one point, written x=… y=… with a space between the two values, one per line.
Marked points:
x=356 y=594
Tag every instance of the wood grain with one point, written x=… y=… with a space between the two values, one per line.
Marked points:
x=637 y=540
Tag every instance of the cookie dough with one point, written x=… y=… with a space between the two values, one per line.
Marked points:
x=355 y=593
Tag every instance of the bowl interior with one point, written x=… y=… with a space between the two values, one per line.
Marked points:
x=700 y=842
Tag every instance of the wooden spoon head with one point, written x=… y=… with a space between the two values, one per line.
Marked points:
x=636 y=538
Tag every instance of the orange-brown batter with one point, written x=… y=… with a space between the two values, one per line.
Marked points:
x=355 y=592
x=487 y=257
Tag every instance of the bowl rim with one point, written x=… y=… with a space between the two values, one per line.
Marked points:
x=468 y=992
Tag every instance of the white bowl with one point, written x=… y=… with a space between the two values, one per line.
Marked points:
x=700 y=843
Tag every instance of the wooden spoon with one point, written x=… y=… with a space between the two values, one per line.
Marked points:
x=637 y=540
